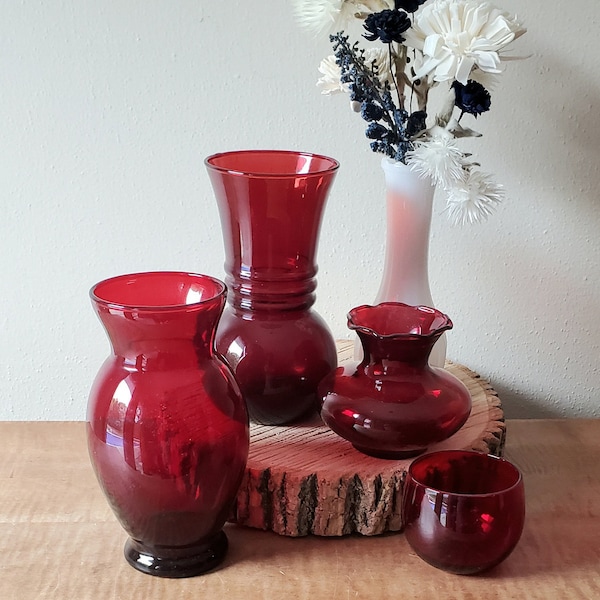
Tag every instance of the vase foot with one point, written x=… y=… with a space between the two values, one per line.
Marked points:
x=177 y=562
x=390 y=454
x=283 y=418
x=285 y=408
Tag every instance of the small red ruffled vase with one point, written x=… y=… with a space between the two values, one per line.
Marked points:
x=167 y=426
x=271 y=204
x=393 y=404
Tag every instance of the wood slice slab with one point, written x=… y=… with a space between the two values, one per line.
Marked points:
x=303 y=479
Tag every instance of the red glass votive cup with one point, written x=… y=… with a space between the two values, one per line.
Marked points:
x=463 y=511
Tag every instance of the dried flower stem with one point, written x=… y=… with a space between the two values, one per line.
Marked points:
x=398 y=59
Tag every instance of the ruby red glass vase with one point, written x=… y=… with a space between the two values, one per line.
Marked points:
x=167 y=426
x=393 y=404
x=271 y=205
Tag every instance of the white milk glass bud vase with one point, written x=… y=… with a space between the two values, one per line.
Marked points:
x=409 y=202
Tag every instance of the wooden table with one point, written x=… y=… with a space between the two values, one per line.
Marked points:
x=58 y=538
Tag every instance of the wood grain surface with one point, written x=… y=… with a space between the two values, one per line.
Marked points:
x=59 y=540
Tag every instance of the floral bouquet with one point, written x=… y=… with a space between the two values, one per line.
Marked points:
x=454 y=46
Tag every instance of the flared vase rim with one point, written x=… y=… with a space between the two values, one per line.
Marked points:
x=518 y=475
x=333 y=164
x=220 y=292
x=446 y=322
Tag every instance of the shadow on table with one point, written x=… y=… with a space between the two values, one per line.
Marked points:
x=553 y=553
x=247 y=545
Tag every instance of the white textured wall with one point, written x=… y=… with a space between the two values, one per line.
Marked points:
x=109 y=108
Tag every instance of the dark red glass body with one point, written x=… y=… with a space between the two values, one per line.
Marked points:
x=463 y=511
x=393 y=404
x=167 y=426
x=271 y=205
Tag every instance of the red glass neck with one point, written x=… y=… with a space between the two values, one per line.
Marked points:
x=271 y=205
x=391 y=354
x=157 y=320
x=397 y=332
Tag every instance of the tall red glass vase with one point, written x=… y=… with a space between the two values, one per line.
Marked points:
x=167 y=426
x=271 y=205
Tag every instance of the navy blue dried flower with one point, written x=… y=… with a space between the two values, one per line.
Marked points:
x=387 y=26
x=472 y=98
x=410 y=6
x=370 y=111
x=416 y=123
x=376 y=131
x=387 y=123
x=377 y=147
x=357 y=93
x=403 y=148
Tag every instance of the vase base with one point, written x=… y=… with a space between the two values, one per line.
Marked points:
x=390 y=454
x=259 y=417
x=284 y=406
x=177 y=563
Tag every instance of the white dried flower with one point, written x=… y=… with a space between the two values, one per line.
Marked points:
x=381 y=57
x=437 y=156
x=367 y=7
x=474 y=199
x=455 y=36
x=333 y=15
x=488 y=80
x=320 y=15
x=330 y=82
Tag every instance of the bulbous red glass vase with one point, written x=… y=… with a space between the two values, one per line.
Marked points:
x=393 y=404
x=271 y=205
x=167 y=426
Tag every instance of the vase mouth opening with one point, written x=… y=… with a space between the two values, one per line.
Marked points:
x=157 y=291
x=391 y=162
x=271 y=163
x=398 y=320
x=465 y=473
